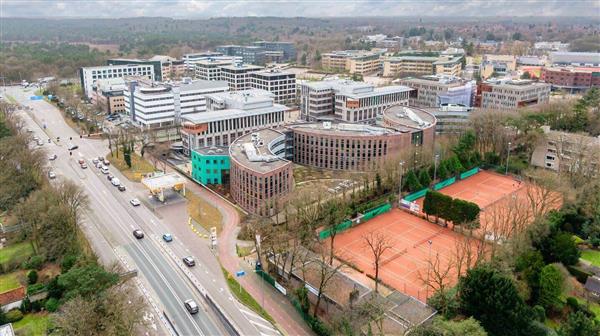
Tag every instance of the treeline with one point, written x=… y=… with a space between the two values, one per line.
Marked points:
x=85 y=298
x=450 y=209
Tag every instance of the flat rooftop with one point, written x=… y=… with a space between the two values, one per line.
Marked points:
x=248 y=67
x=355 y=89
x=213 y=150
x=256 y=155
x=516 y=84
x=163 y=181
x=209 y=116
x=274 y=72
x=438 y=79
x=409 y=118
x=343 y=129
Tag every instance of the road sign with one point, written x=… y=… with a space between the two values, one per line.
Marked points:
x=240 y=273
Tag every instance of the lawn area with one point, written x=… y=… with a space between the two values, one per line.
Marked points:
x=591 y=256
x=139 y=166
x=9 y=281
x=245 y=297
x=203 y=213
x=32 y=324
x=15 y=253
x=594 y=307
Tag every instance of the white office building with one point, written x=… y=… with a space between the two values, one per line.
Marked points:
x=190 y=59
x=281 y=84
x=90 y=75
x=155 y=105
x=238 y=75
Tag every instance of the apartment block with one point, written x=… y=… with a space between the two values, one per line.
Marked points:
x=438 y=90
x=90 y=75
x=156 y=105
x=511 y=94
x=348 y=101
x=572 y=78
x=498 y=65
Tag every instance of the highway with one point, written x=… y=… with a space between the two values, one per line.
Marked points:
x=111 y=219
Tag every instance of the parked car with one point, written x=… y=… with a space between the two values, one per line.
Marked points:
x=191 y=306
x=121 y=187
x=99 y=164
x=72 y=147
x=52 y=157
x=115 y=181
x=40 y=143
x=137 y=233
x=95 y=161
x=106 y=162
x=167 y=237
x=36 y=139
x=104 y=170
x=135 y=202
x=81 y=161
x=110 y=177
x=51 y=175
x=84 y=165
x=189 y=261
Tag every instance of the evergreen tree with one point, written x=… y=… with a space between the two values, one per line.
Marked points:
x=411 y=182
x=424 y=178
x=551 y=282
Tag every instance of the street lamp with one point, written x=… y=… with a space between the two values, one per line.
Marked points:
x=428 y=270
x=507 y=157
x=435 y=163
x=400 y=187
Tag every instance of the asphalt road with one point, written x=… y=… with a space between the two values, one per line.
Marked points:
x=114 y=218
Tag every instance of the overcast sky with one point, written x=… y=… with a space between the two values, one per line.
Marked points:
x=307 y=8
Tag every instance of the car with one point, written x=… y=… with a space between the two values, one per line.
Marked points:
x=29 y=130
x=135 y=202
x=115 y=181
x=167 y=237
x=104 y=170
x=83 y=165
x=137 y=233
x=52 y=157
x=99 y=164
x=110 y=177
x=100 y=158
x=40 y=143
x=191 y=306
x=95 y=161
x=51 y=175
x=121 y=187
x=36 y=139
x=72 y=147
x=81 y=161
x=106 y=162
x=189 y=261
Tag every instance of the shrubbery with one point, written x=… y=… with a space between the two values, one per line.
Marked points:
x=451 y=209
x=14 y=315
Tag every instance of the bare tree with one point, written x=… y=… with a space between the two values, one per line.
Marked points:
x=378 y=244
x=325 y=274
x=438 y=277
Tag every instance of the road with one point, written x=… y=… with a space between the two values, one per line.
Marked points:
x=163 y=278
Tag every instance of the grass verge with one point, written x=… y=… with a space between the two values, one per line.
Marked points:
x=15 y=253
x=32 y=324
x=591 y=256
x=9 y=281
x=203 y=213
x=245 y=297
x=139 y=166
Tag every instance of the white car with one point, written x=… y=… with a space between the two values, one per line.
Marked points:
x=52 y=157
x=135 y=202
x=51 y=175
x=115 y=181
x=104 y=170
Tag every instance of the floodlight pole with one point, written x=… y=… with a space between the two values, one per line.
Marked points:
x=400 y=187
x=507 y=157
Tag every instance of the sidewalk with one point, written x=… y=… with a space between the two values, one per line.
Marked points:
x=273 y=302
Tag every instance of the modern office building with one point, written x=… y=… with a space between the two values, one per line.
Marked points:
x=551 y=46
x=190 y=59
x=511 y=94
x=287 y=48
x=210 y=68
x=568 y=152
x=451 y=118
x=156 y=65
x=353 y=61
x=409 y=65
x=109 y=95
x=438 y=90
x=90 y=75
x=348 y=101
x=583 y=59
x=249 y=54
x=210 y=165
x=281 y=84
x=230 y=115
x=156 y=105
x=497 y=65
x=171 y=68
x=572 y=78
x=260 y=175
x=238 y=75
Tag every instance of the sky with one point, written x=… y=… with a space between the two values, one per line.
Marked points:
x=306 y=8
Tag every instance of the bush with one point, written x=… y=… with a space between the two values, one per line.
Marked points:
x=14 y=316
x=32 y=277
x=539 y=313
x=318 y=327
x=34 y=262
x=67 y=262
x=572 y=303
x=51 y=305
x=35 y=288
x=25 y=305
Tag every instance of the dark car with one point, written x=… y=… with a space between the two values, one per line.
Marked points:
x=191 y=306
x=189 y=261
x=121 y=187
x=137 y=233
x=110 y=177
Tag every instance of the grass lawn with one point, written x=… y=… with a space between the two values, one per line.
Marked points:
x=245 y=297
x=591 y=256
x=594 y=307
x=139 y=166
x=32 y=324
x=9 y=281
x=203 y=213
x=15 y=253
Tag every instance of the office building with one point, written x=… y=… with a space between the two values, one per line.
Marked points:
x=348 y=101
x=230 y=115
x=109 y=95
x=210 y=165
x=418 y=63
x=551 y=46
x=171 y=68
x=497 y=65
x=571 y=78
x=438 y=90
x=238 y=75
x=287 y=48
x=249 y=54
x=568 y=153
x=210 y=68
x=156 y=105
x=583 y=59
x=190 y=59
x=156 y=65
x=511 y=94
x=90 y=75
x=451 y=118
x=281 y=84
x=353 y=61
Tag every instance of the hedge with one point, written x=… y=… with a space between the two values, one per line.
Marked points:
x=580 y=274
x=451 y=209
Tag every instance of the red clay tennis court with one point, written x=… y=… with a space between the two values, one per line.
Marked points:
x=401 y=265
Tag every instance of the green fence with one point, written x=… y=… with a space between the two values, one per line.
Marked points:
x=266 y=277
x=345 y=225
x=416 y=195
x=444 y=183
x=376 y=212
x=469 y=173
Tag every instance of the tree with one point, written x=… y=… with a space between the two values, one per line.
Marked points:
x=438 y=279
x=564 y=249
x=578 y=324
x=442 y=172
x=526 y=75
x=492 y=298
x=86 y=281
x=551 y=285
x=424 y=178
x=378 y=244
x=32 y=277
x=325 y=273
x=411 y=182
x=530 y=264
x=442 y=327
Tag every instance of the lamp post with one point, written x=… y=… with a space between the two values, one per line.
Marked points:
x=435 y=163
x=428 y=270
x=400 y=187
x=507 y=157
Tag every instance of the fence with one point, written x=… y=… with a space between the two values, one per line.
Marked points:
x=469 y=173
x=345 y=225
x=416 y=195
x=444 y=183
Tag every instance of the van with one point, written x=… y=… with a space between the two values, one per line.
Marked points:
x=104 y=170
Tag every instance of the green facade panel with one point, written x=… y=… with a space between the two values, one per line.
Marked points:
x=210 y=168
